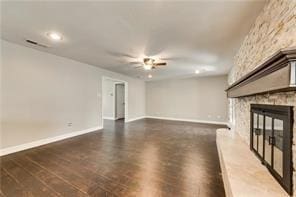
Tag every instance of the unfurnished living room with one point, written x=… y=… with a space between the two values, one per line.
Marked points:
x=148 y=98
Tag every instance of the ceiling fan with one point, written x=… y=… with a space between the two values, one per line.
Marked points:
x=146 y=63
x=149 y=63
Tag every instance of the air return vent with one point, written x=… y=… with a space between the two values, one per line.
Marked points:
x=36 y=43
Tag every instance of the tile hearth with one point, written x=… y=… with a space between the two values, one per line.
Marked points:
x=242 y=172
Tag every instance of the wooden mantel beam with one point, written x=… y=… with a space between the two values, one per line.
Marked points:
x=276 y=74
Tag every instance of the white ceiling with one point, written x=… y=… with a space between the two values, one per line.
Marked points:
x=200 y=35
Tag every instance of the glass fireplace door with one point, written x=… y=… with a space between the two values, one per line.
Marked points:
x=271 y=140
x=278 y=146
x=267 y=140
x=258 y=134
x=254 y=132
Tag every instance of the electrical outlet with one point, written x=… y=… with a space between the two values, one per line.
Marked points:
x=69 y=124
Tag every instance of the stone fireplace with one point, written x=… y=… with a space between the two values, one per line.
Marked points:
x=273 y=30
x=271 y=125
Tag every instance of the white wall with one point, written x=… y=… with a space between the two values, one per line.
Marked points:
x=41 y=93
x=108 y=99
x=201 y=98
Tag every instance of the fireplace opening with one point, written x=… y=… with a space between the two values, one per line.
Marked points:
x=271 y=140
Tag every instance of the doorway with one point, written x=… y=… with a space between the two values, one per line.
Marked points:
x=114 y=99
x=119 y=101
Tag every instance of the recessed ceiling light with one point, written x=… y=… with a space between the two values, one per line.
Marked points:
x=55 y=36
x=149 y=76
x=197 y=71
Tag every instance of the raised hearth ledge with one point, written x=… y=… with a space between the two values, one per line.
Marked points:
x=243 y=174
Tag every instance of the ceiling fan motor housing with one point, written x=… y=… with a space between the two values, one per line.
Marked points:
x=148 y=61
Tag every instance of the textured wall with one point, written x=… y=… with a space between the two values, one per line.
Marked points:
x=274 y=29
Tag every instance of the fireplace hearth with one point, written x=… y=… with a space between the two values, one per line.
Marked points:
x=271 y=140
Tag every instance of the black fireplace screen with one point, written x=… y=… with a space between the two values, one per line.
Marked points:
x=271 y=140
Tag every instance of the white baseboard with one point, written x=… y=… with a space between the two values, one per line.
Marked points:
x=109 y=118
x=179 y=119
x=137 y=118
x=189 y=120
x=33 y=144
x=41 y=142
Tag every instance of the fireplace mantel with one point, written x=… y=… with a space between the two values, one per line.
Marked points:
x=276 y=74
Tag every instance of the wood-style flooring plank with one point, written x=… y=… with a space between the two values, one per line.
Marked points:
x=57 y=184
x=27 y=181
x=142 y=158
x=9 y=186
x=99 y=182
x=120 y=175
x=61 y=171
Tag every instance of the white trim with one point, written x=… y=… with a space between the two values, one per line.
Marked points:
x=115 y=100
x=21 y=147
x=109 y=118
x=137 y=118
x=230 y=125
x=293 y=74
x=189 y=120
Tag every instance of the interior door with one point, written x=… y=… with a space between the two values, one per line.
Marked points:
x=119 y=95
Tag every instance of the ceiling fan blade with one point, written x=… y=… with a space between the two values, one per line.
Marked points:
x=119 y=54
x=161 y=64
x=138 y=66
x=173 y=58
x=135 y=62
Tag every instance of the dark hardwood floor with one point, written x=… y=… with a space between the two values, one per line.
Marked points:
x=143 y=158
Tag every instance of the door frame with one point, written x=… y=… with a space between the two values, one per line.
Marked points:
x=125 y=98
x=115 y=99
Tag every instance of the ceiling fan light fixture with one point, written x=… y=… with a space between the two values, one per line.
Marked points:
x=147 y=66
x=149 y=76
x=148 y=61
x=197 y=71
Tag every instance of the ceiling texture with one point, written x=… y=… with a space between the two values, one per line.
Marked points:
x=203 y=35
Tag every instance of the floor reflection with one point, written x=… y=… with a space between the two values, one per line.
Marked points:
x=142 y=158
